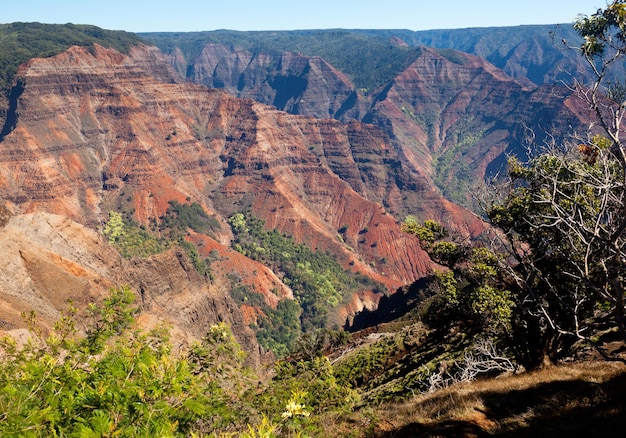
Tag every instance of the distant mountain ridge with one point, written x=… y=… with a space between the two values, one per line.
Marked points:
x=534 y=52
x=453 y=116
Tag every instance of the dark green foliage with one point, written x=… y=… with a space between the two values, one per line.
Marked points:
x=244 y=294
x=183 y=216
x=360 y=367
x=23 y=41
x=474 y=292
x=398 y=364
x=280 y=328
x=318 y=281
x=200 y=265
x=320 y=343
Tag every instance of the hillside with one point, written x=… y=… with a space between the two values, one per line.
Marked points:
x=23 y=41
x=536 y=53
x=438 y=106
x=373 y=57
x=263 y=234
x=98 y=131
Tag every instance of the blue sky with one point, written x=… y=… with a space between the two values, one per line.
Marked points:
x=195 y=15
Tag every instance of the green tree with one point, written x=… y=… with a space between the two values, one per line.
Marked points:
x=114 y=229
x=472 y=291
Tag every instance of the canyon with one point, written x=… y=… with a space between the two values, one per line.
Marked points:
x=451 y=116
x=284 y=136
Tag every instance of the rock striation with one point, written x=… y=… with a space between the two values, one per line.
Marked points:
x=451 y=117
x=96 y=131
x=289 y=81
x=455 y=117
x=50 y=259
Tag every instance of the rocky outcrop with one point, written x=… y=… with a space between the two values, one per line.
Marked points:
x=451 y=117
x=290 y=82
x=454 y=118
x=50 y=260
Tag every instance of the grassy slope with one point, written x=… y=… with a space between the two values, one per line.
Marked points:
x=575 y=398
x=578 y=399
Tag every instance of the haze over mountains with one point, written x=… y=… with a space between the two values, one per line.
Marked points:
x=331 y=137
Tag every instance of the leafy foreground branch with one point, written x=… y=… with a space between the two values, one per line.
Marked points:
x=117 y=380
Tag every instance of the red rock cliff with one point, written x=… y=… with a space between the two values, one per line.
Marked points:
x=97 y=131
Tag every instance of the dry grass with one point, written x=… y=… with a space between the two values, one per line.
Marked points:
x=578 y=399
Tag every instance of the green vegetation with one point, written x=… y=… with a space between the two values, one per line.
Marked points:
x=23 y=41
x=473 y=290
x=399 y=364
x=280 y=328
x=130 y=239
x=98 y=374
x=183 y=216
x=242 y=293
x=180 y=217
x=133 y=240
x=426 y=121
x=370 y=60
x=453 y=176
x=117 y=380
x=318 y=282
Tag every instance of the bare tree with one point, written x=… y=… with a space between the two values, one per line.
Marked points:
x=564 y=212
x=482 y=358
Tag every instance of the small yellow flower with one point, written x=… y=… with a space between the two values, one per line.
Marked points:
x=294 y=408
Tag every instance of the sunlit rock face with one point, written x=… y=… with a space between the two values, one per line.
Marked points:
x=96 y=131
